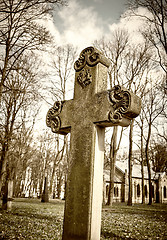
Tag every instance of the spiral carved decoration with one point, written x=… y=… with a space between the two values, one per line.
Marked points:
x=121 y=102
x=52 y=119
x=90 y=56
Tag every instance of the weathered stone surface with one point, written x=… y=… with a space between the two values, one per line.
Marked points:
x=86 y=116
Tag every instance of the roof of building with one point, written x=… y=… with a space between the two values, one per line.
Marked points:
x=122 y=166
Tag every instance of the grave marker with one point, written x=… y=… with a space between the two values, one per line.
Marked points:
x=86 y=116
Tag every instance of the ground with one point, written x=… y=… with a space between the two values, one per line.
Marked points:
x=31 y=219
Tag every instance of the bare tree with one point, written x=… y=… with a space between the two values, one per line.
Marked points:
x=58 y=161
x=130 y=67
x=61 y=71
x=23 y=88
x=61 y=74
x=114 y=50
x=154 y=30
x=137 y=68
x=140 y=124
x=159 y=156
x=21 y=150
x=114 y=147
x=153 y=107
x=21 y=31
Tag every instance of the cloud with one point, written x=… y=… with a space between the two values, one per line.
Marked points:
x=132 y=24
x=50 y=26
x=81 y=25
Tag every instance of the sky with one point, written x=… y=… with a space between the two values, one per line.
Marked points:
x=84 y=21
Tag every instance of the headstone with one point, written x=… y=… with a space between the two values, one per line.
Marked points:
x=86 y=116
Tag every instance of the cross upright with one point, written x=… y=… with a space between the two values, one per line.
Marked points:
x=91 y=110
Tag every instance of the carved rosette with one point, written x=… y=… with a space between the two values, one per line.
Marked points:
x=52 y=118
x=120 y=100
x=90 y=56
x=84 y=78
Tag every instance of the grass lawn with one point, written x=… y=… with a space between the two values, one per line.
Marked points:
x=31 y=219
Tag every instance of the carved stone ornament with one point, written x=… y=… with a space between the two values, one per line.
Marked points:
x=120 y=99
x=90 y=56
x=84 y=78
x=52 y=118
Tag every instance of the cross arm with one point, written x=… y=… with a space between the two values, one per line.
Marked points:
x=58 y=117
x=117 y=106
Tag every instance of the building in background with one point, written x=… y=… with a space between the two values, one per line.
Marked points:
x=159 y=184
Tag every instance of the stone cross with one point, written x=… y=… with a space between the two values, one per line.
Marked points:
x=91 y=110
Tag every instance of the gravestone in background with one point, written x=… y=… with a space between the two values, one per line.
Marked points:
x=86 y=116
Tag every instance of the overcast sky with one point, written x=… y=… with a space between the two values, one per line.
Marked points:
x=83 y=21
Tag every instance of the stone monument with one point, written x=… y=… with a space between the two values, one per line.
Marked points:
x=91 y=110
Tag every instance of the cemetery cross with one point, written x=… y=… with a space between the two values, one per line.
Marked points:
x=86 y=116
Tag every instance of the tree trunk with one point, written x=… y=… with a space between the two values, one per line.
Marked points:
x=8 y=196
x=130 y=163
x=142 y=166
x=5 y=195
x=3 y=163
x=150 y=185
x=52 y=176
x=143 y=190
x=57 y=160
x=157 y=191
x=6 y=60
x=113 y=152
x=40 y=186
x=59 y=185
x=104 y=190
x=7 y=191
x=148 y=164
x=45 y=196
